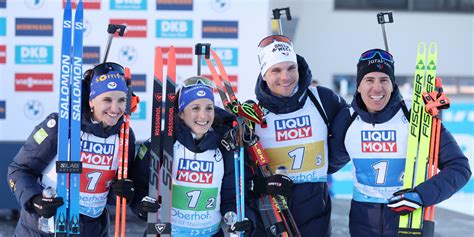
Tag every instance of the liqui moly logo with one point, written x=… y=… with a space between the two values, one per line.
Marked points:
x=135 y=27
x=379 y=141
x=96 y=153
x=33 y=82
x=293 y=128
x=195 y=171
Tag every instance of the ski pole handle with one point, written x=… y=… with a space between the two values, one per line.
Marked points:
x=276 y=19
x=111 y=29
x=382 y=18
x=199 y=50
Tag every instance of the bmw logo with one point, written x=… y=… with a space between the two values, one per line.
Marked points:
x=33 y=109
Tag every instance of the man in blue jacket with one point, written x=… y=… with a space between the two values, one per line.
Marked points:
x=299 y=124
x=378 y=108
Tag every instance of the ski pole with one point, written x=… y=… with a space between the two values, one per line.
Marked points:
x=121 y=202
x=276 y=20
x=199 y=50
x=241 y=168
x=111 y=30
x=382 y=18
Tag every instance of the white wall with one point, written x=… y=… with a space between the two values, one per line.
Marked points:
x=332 y=41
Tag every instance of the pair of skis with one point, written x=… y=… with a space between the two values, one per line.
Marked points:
x=276 y=216
x=69 y=166
x=423 y=139
x=162 y=143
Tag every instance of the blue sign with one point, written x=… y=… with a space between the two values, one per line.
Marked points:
x=3 y=3
x=3 y=26
x=174 y=28
x=3 y=108
x=140 y=113
x=91 y=54
x=33 y=54
x=220 y=29
x=138 y=5
x=181 y=5
x=459 y=120
x=34 y=26
x=139 y=82
x=228 y=56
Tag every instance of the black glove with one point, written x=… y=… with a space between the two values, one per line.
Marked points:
x=230 y=140
x=148 y=204
x=46 y=207
x=276 y=184
x=124 y=188
x=246 y=226
x=405 y=201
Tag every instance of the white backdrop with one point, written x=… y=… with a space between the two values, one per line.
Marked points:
x=31 y=34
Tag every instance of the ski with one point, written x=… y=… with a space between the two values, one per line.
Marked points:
x=60 y=220
x=276 y=216
x=162 y=144
x=69 y=165
x=418 y=148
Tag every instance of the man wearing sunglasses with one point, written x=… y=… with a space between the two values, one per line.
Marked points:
x=299 y=120
x=379 y=115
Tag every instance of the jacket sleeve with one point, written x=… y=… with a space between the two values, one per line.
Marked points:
x=25 y=171
x=335 y=106
x=454 y=172
x=338 y=156
x=140 y=174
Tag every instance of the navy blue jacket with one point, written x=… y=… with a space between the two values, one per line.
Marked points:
x=310 y=203
x=375 y=219
x=25 y=172
x=211 y=140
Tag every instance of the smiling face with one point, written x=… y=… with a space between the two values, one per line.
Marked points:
x=108 y=107
x=198 y=116
x=375 y=89
x=282 y=78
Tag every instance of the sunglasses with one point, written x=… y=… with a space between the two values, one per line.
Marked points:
x=272 y=38
x=371 y=54
x=104 y=68
x=198 y=81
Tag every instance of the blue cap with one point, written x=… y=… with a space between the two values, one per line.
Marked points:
x=111 y=81
x=192 y=93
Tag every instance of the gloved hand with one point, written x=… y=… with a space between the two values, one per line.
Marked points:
x=405 y=201
x=230 y=140
x=148 y=204
x=246 y=226
x=46 y=207
x=276 y=184
x=124 y=188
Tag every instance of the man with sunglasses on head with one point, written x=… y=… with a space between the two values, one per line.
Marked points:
x=379 y=109
x=299 y=120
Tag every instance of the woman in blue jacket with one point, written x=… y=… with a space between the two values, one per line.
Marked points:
x=378 y=117
x=203 y=171
x=104 y=95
